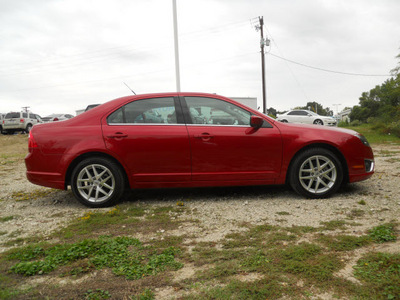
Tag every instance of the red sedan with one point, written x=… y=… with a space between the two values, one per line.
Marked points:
x=190 y=140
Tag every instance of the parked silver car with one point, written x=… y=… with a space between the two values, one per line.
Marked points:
x=1 y=122
x=305 y=117
x=57 y=117
x=20 y=121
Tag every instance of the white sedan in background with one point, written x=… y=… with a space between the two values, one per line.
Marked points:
x=57 y=117
x=305 y=117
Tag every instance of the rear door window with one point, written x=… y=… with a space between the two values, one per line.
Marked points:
x=146 y=111
x=12 y=115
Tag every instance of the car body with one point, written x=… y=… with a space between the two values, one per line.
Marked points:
x=305 y=117
x=20 y=121
x=1 y=122
x=56 y=117
x=103 y=151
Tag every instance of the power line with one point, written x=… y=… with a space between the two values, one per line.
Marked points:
x=330 y=71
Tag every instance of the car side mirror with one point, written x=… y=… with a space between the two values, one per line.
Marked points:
x=256 y=121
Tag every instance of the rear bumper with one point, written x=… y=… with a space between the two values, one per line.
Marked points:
x=20 y=126
x=44 y=170
x=52 y=180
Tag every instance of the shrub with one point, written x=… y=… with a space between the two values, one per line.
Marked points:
x=355 y=123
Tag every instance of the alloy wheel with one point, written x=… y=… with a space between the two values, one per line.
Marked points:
x=95 y=183
x=317 y=174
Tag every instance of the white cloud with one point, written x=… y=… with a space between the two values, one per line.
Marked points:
x=59 y=56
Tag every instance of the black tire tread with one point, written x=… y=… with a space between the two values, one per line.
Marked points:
x=300 y=158
x=118 y=175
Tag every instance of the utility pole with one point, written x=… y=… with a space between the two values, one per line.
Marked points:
x=337 y=106
x=177 y=72
x=263 y=42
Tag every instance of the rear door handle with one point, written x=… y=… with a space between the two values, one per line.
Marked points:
x=117 y=135
x=205 y=136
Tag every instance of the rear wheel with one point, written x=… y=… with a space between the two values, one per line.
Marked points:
x=98 y=182
x=284 y=121
x=28 y=128
x=316 y=173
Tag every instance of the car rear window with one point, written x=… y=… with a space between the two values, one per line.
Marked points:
x=12 y=115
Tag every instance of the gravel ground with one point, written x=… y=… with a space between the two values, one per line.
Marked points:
x=39 y=211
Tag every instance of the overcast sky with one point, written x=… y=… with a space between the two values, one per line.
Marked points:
x=58 y=56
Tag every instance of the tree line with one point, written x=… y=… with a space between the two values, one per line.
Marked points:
x=380 y=106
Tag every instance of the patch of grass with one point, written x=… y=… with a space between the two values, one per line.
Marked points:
x=344 y=242
x=121 y=220
x=333 y=225
x=355 y=213
x=34 y=195
x=7 y=288
x=381 y=273
x=125 y=256
x=299 y=230
x=387 y=153
x=260 y=289
x=97 y=294
x=362 y=202
x=283 y=213
x=147 y=294
x=383 y=233
x=6 y=219
x=374 y=136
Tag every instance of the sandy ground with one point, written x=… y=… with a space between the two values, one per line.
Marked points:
x=39 y=211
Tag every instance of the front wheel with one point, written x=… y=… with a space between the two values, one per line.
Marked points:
x=316 y=173
x=318 y=122
x=97 y=182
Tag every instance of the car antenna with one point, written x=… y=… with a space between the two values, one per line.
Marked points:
x=129 y=88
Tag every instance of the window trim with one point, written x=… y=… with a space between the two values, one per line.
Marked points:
x=178 y=110
x=189 y=121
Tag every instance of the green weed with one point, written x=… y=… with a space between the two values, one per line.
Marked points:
x=381 y=273
x=97 y=294
x=383 y=233
x=125 y=256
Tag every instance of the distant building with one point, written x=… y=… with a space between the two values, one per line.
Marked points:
x=343 y=116
x=248 y=101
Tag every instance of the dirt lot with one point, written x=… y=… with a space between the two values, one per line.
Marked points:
x=33 y=210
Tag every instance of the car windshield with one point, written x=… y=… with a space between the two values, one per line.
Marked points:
x=312 y=113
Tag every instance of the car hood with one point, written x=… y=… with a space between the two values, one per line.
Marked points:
x=282 y=126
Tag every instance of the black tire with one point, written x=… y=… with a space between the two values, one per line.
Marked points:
x=28 y=128
x=98 y=182
x=318 y=122
x=284 y=121
x=316 y=173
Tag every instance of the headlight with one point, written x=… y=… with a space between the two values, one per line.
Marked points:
x=363 y=139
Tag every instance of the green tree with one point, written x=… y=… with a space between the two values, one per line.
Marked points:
x=381 y=102
x=317 y=108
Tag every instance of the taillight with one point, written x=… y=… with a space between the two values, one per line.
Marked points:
x=31 y=142
x=55 y=119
